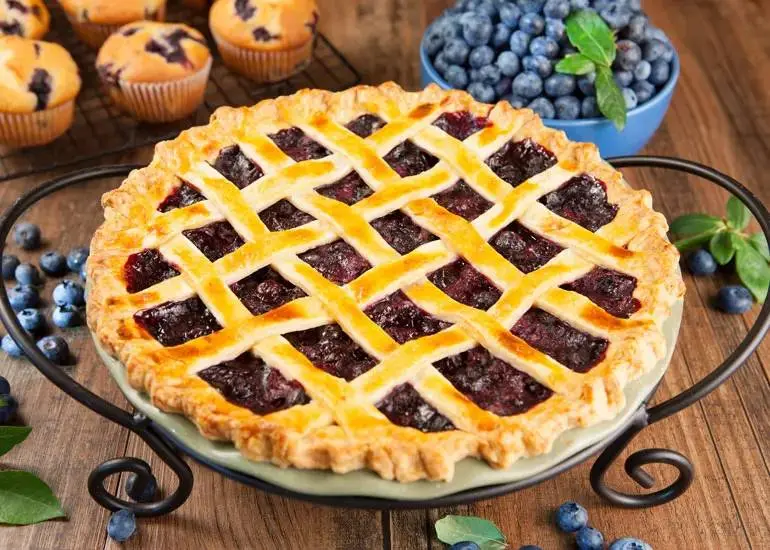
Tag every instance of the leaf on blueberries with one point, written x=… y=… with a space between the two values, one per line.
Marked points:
x=753 y=271
x=738 y=216
x=691 y=224
x=722 y=247
x=759 y=242
x=453 y=529
x=25 y=499
x=592 y=37
x=10 y=436
x=575 y=63
x=610 y=98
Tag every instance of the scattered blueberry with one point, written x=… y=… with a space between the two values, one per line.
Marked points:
x=734 y=299
x=556 y=9
x=501 y=36
x=532 y=24
x=571 y=516
x=543 y=107
x=642 y=70
x=623 y=78
x=465 y=545
x=482 y=92
x=630 y=98
x=55 y=349
x=538 y=64
x=530 y=547
x=629 y=55
x=67 y=316
x=23 y=296
x=122 y=525
x=32 y=320
x=69 y=293
x=8 y=408
x=76 y=258
x=701 y=262
x=567 y=107
x=27 y=236
x=519 y=43
x=588 y=538
x=141 y=492
x=628 y=543
x=643 y=90
x=661 y=70
x=508 y=63
x=542 y=45
x=480 y=56
x=528 y=85
x=27 y=274
x=10 y=346
x=53 y=263
x=477 y=29
x=510 y=14
x=457 y=77
x=559 y=84
x=10 y=263
x=5 y=386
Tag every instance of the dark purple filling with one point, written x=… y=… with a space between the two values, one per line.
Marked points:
x=407 y=159
x=491 y=383
x=264 y=290
x=337 y=261
x=184 y=195
x=365 y=125
x=400 y=232
x=109 y=74
x=261 y=34
x=572 y=348
x=145 y=269
x=463 y=201
x=461 y=124
x=516 y=162
x=237 y=167
x=40 y=85
x=402 y=319
x=171 y=48
x=349 y=190
x=526 y=250
x=608 y=289
x=215 y=239
x=405 y=407
x=14 y=28
x=174 y=323
x=284 y=215
x=18 y=6
x=330 y=349
x=583 y=200
x=463 y=283
x=296 y=144
x=248 y=382
x=244 y=9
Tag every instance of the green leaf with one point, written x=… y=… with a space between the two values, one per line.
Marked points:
x=452 y=529
x=10 y=436
x=722 y=247
x=753 y=271
x=575 y=63
x=592 y=37
x=691 y=224
x=738 y=216
x=25 y=499
x=693 y=242
x=610 y=98
x=759 y=242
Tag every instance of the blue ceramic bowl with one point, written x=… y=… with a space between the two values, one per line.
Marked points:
x=641 y=124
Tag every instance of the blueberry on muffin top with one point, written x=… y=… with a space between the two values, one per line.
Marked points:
x=265 y=24
x=26 y=18
x=114 y=12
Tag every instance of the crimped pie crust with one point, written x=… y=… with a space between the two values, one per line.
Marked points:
x=341 y=429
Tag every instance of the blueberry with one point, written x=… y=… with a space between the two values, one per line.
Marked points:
x=55 y=348
x=527 y=84
x=571 y=516
x=556 y=9
x=490 y=74
x=543 y=107
x=474 y=75
x=555 y=29
x=5 y=386
x=32 y=320
x=27 y=236
x=83 y=272
x=10 y=346
x=530 y=547
x=8 y=408
x=531 y=6
x=586 y=84
x=440 y=63
x=27 y=274
x=67 y=316
x=450 y=28
x=643 y=90
x=654 y=33
x=508 y=63
x=538 y=64
x=623 y=78
x=628 y=56
x=503 y=87
x=488 y=8
x=519 y=43
x=122 y=525
x=510 y=14
x=734 y=299
x=628 y=543
x=482 y=92
x=588 y=538
x=668 y=55
x=567 y=107
x=636 y=27
x=542 y=45
x=642 y=70
x=567 y=50
x=465 y=545
x=501 y=36
x=477 y=29
x=76 y=258
x=532 y=23
x=617 y=15
x=457 y=77
x=517 y=102
x=661 y=71
x=560 y=84
x=23 y=296
x=630 y=98
x=53 y=263
x=653 y=49
x=579 y=4
x=434 y=41
x=480 y=56
x=456 y=51
x=701 y=262
x=141 y=492
x=10 y=263
x=69 y=293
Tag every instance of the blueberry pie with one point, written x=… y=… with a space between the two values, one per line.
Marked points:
x=382 y=279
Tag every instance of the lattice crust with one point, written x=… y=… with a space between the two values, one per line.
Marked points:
x=340 y=427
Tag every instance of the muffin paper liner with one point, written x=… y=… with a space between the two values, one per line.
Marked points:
x=265 y=66
x=36 y=128
x=161 y=101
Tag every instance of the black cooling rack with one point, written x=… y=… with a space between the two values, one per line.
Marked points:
x=101 y=129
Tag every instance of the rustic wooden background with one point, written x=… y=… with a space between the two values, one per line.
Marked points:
x=720 y=116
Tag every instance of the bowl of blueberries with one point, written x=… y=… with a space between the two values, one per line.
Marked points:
x=508 y=49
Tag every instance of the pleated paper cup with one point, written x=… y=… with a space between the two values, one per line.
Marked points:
x=19 y=130
x=265 y=65
x=94 y=34
x=161 y=101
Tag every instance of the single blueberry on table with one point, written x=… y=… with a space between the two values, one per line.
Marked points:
x=508 y=63
x=623 y=78
x=8 y=408
x=501 y=36
x=556 y=9
x=5 y=386
x=67 y=316
x=734 y=299
x=643 y=90
x=10 y=346
x=571 y=516
x=434 y=41
x=528 y=85
x=531 y=6
x=532 y=24
x=53 y=263
x=701 y=262
x=556 y=30
x=122 y=525
x=503 y=87
x=642 y=70
x=588 y=538
x=482 y=92
x=617 y=15
x=141 y=492
x=480 y=56
x=542 y=45
x=530 y=547
x=628 y=56
x=560 y=84
x=628 y=543
x=510 y=14
x=10 y=263
x=27 y=236
x=538 y=64
x=519 y=43
x=477 y=29
x=69 y=293
x=27 y=274
x=32 y=320
x=567 y=107
x=586 y=84
x=55 y=348
x=456 y=51
x=490 y=74
x=465 y=545
x=457 y=77
x=76 y=258
x=661 y=71
x=636 y=27
x=629 y=96
x=653 y=49
x=543 y=107
x=23 y=296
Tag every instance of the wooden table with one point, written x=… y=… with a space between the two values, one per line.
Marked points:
x=720 y=116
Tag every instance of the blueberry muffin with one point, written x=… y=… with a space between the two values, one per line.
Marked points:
x=157 y=72
x=27 y=18
x=265 y=40
x=198 y=4
x=95 y=20
x=38 y=85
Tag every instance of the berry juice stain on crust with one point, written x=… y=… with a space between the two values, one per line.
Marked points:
x=40 y=85
x=145 y=269
x=265 y=290
x=518 y=161
x=237 y=167
x=403 y=319
x=330 y=349
x=174 y=323
x=405 y=407
x=583 y=200
x=184 y=195
x=297 y=145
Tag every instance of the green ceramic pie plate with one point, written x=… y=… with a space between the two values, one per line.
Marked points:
x=470 y=473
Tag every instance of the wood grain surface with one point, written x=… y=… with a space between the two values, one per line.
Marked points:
x=720 y=116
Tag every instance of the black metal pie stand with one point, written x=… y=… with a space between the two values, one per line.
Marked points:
x=171 y=451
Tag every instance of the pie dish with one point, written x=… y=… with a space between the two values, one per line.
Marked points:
x=382 y=279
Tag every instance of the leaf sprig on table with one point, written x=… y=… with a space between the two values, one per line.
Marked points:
x=726 y=239
x=453 y=529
